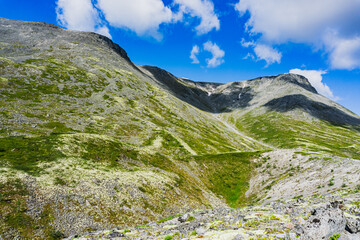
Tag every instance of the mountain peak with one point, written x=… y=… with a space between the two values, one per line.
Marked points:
x=298 y=80
x=22 y=31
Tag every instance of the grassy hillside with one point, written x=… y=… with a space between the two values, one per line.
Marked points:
x=57 y=91
x=286 y=131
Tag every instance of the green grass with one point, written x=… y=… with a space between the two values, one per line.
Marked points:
x=168 y=218
x=228 y=174
x=286 y=132
x=59 y=181
x=336 y=236
x=24 y=153
x=58 y=127
x=193 y=233
x=105 y=151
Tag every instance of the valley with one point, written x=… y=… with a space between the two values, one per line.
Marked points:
x=90 y=141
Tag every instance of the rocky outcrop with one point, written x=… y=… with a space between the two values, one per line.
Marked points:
x=36 y=31
x=325 y=221
x=304 y=219
x=353 y=225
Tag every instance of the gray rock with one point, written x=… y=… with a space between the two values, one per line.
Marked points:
x=352 y=225
x=115 y=235
x=325 y=222
x=355 y=210
x=286 y=236
x=349 y=236
x=184 y=217
x=174 y=221
x=237 y=219
x=238 y=237
x=201 y=230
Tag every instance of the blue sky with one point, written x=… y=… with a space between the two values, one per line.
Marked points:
x=231 y=40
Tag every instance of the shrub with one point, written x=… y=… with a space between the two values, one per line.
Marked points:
x=336 y=236
x=193 y=233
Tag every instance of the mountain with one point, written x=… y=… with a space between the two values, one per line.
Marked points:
x=90 y=140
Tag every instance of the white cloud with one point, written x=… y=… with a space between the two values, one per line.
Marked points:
x=344 y=53
x=247 y=44
x=193 y=55
x=217 y=54
x=141 y=16
x=249 y=55
x=262 y=52
x=307 y=21
x=203 y=9
x=144 y=17
x=267 y=53
x=103 y=31
x=315 y=78
x=80 y=15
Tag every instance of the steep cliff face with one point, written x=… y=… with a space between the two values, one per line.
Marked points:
x=89 y=140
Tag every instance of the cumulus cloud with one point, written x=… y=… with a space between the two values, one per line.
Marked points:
x=308 y=21
x=267 y=53
x=217 y=54
x=144 y=17
x=262 y=52
x=193 y=55
x=203 y=9
x=316 y=80
x=80 y=15
x=344 y=53
x=141 y=16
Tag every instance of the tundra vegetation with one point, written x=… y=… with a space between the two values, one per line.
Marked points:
x=90 y=141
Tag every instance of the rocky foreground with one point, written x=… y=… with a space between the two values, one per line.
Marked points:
x=333 y=216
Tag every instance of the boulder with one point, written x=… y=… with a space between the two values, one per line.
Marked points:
x=184 y=217
x=115 y=235
x=353 y=225
x=325 y=221
x=201 y=231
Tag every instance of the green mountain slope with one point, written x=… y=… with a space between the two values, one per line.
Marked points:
x=89 y=140
x=285 y=111
x=95 y=137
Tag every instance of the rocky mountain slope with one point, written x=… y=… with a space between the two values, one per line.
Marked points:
x=314 y=218
x=91 y=141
